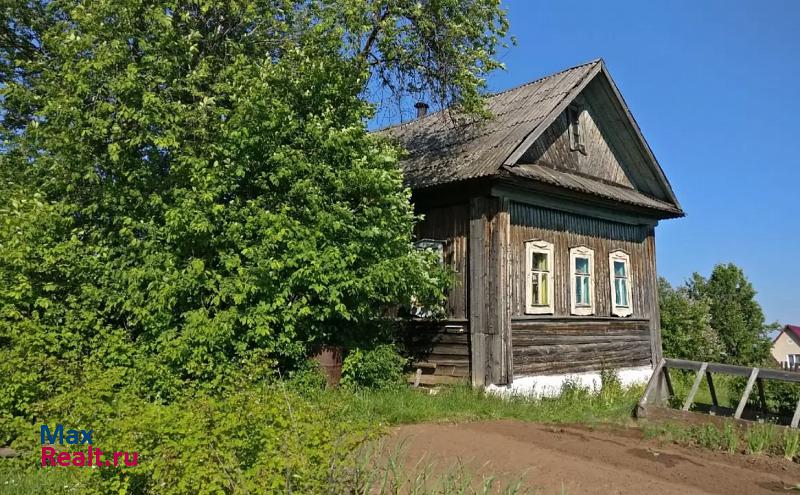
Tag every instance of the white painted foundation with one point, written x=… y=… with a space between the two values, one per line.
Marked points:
x=550 y=385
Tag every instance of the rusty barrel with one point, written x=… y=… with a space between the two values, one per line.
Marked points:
x=329 y=359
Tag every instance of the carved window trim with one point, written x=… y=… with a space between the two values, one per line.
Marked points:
x=575 y=129
x=620 y=256
x=576 y=308
x=539 y=246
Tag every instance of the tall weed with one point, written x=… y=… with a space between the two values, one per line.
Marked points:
x=759 y=438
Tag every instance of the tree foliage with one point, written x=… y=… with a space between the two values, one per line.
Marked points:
x=715 y=319
x=685 y=325
x=191 y=185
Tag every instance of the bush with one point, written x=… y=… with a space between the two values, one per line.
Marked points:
x=308 y=379
x=258 y=439
x=380 y=367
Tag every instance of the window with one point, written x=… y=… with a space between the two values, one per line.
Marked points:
x=575 y=134
x=792 y=361
x=416 y=309
x=434 y=245
x=538 y=277
x=620 y=275
x=581 y=261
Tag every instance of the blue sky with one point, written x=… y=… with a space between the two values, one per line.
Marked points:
x=714 y=87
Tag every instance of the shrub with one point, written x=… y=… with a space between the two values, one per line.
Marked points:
x=258 y=439
x=380 y=367
x=709 y=436
x=308 y=379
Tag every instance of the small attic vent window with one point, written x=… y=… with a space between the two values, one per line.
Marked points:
x=575 y=134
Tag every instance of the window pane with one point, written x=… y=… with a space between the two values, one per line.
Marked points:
x=621 y=292
x=582 y=265
x=545 y=296
x=535 y=288
x=539 y=261
x=578 y=290
x=619 y=268
x=586 y=290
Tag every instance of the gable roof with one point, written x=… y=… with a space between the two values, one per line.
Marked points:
x=443 y=150
x=793 y=331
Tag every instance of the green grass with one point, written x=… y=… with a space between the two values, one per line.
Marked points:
x=14 y=481
x=404 y=405
x=384 y=472
x=755 y=439
x=682 y=382
x=462 y=403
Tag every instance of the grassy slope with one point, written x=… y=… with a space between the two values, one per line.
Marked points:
x=466 y=404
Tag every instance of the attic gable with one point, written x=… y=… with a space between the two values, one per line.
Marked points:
x=519 y=140
x=609 y=148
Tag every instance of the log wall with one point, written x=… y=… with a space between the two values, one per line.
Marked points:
x=566 y=230
x=450 y=224
x=569 y=345
x=445 y=344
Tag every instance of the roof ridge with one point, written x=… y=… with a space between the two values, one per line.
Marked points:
x=554 y=74
x=492 y=95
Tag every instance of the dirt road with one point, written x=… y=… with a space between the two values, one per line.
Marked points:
x=576 y=460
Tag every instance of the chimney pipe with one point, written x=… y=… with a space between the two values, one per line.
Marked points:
x=422 y=109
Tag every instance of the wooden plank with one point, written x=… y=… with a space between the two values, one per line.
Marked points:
x=441 y=380
x=477 y=302
x=731 y=369
x=423 y=364
x=796 y=417
x=499 y=311
x=540 y=340
x=579 y=348
x=711 y=389
x=573 y=367
x=695 y=386
x=746 y=394
x=668 y=381
x=649 y=390
x=761 y=398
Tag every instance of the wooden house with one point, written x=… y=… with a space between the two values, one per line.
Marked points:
x=546 y=214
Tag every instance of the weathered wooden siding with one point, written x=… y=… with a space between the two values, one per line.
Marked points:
x=489 y=291
x=613 y=151
x=450 y=224
x=445 y=344
x=599 y=161
x=569 y=345
x=566 y=230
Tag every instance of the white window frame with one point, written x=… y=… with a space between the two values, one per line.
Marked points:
x=542 y=247
x=575 y=253
x=620 y=255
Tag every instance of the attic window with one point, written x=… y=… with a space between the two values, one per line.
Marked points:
x=575 y=134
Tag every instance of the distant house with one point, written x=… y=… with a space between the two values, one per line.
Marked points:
x=546 y=214
x=786 y=347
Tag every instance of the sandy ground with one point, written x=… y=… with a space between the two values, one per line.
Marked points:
x=604 y=460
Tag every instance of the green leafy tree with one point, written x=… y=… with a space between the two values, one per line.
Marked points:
x=736 y=316
x=715 y=319
x=685 y=325
x=187 y=183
